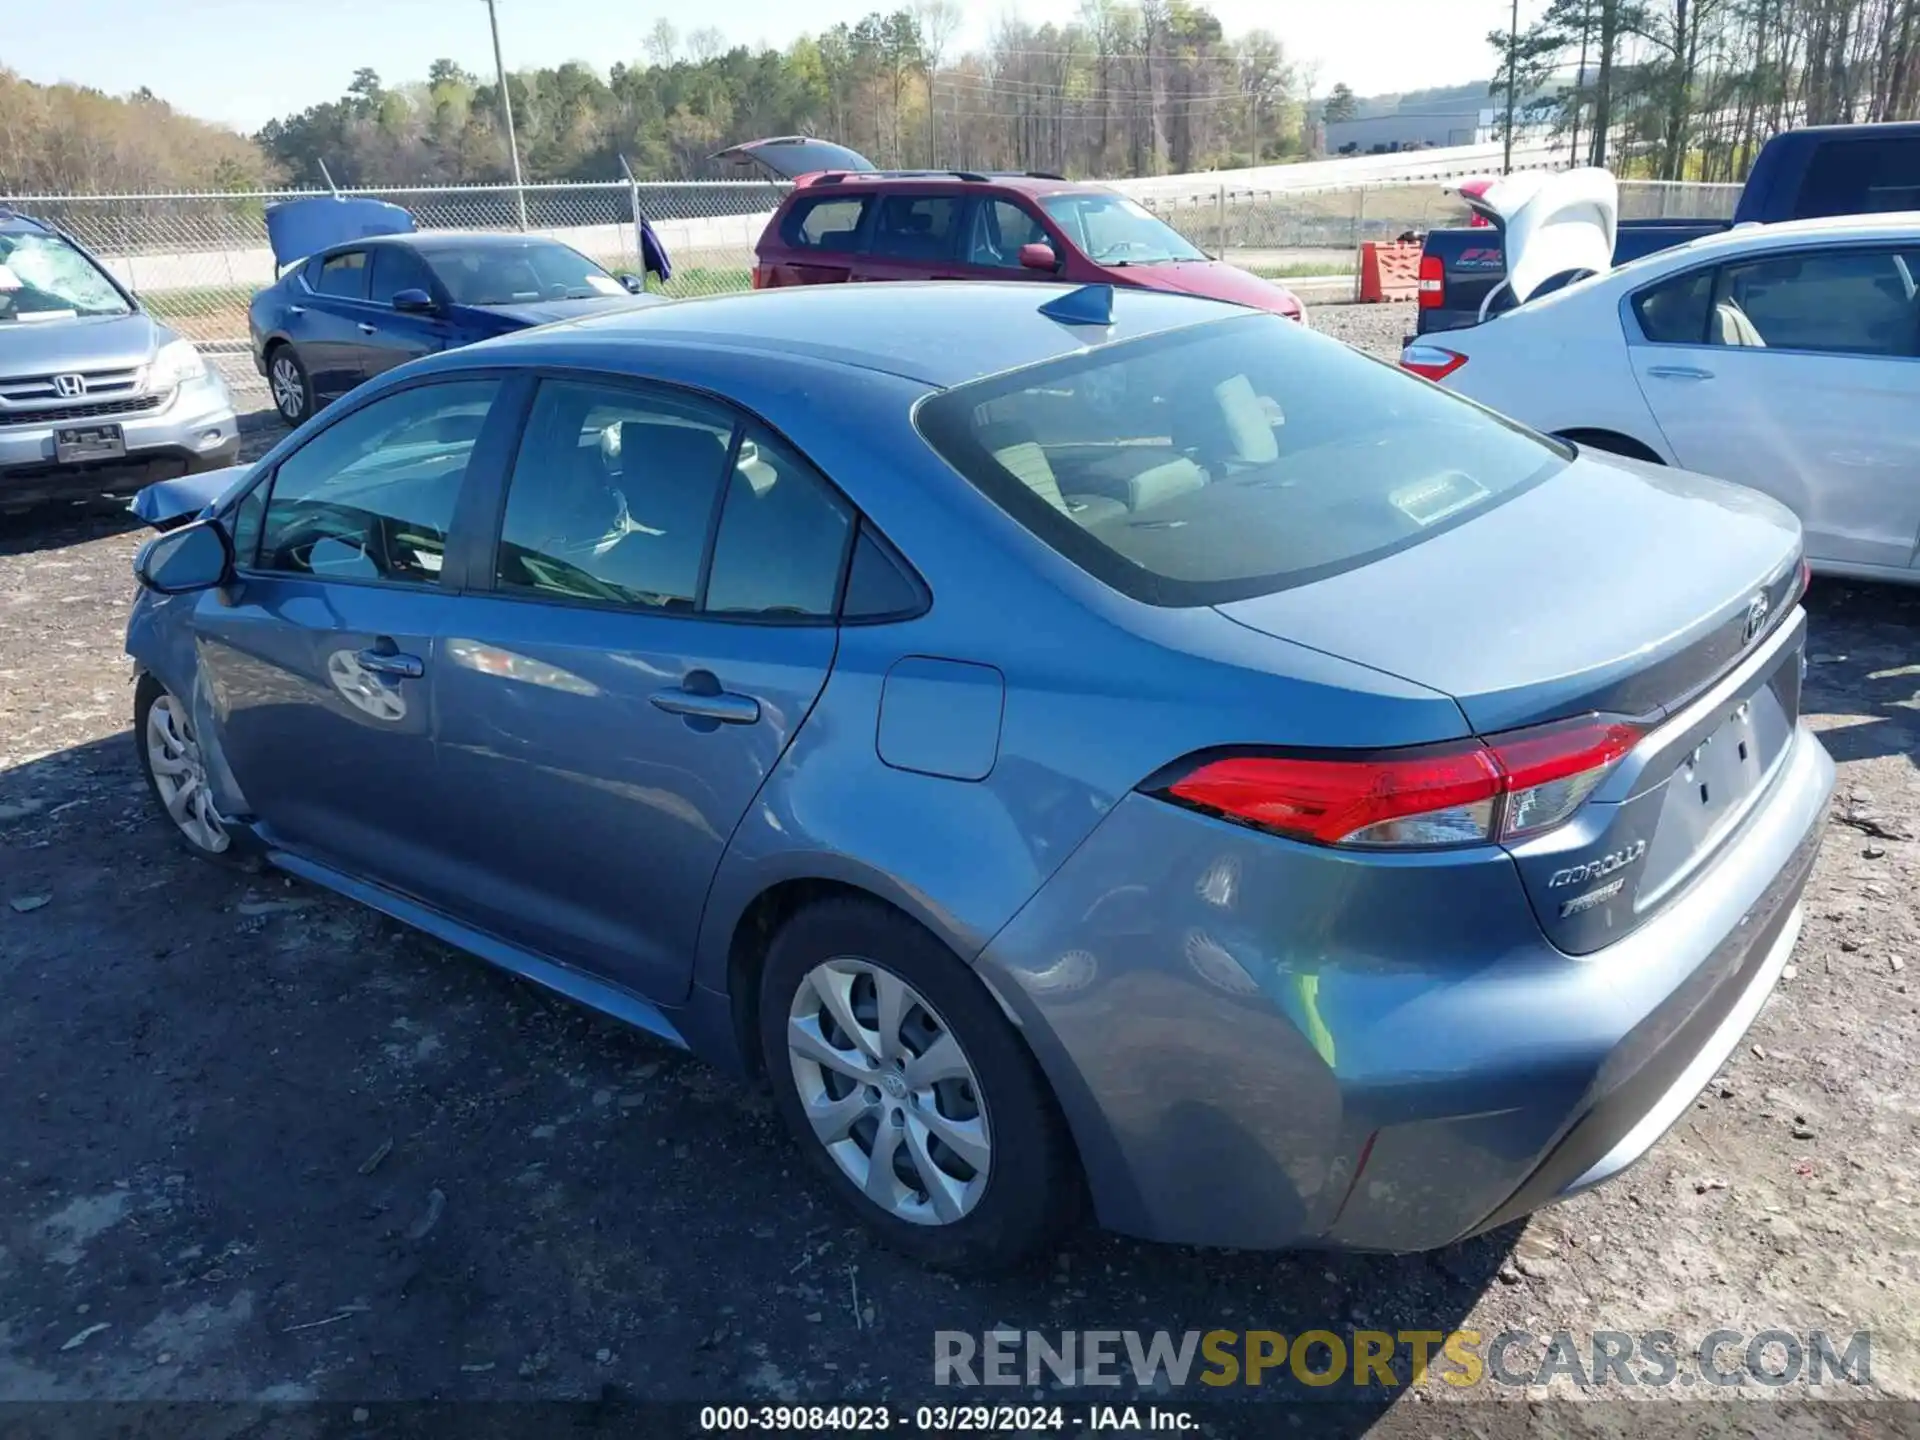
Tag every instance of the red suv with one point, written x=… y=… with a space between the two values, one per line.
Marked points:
x=844 y=220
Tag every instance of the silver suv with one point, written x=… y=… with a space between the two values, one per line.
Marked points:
x=95 y=395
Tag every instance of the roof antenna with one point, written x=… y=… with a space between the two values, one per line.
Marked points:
x=1089 y=305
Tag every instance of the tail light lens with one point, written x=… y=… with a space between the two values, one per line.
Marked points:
x=1433 y=282
x=1431 y=361
x=1506 y=787
x=760 y=277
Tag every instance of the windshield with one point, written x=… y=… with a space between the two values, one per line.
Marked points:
x=1230 y=459
x=1113 y=230
x=513 y=274
x=42 y=277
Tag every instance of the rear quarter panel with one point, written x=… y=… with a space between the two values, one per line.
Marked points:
x=1560 y=364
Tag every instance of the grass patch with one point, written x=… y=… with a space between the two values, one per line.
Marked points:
x=705 y=280
x=1302 y=269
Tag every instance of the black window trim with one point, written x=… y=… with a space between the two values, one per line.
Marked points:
x=455 y=566
x=1637 y=335
x=483 y=571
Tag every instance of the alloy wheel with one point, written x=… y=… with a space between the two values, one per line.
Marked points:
x=180 y=775
x=889 y=1091
x=289 y=393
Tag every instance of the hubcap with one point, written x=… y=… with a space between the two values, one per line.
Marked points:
x=286 y=387
x=180 y=775
x=889 y=1092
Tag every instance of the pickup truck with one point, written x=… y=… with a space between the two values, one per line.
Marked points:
x=1798 y=175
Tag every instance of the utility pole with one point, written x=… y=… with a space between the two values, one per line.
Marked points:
x=1513 y=65
x=506 y=114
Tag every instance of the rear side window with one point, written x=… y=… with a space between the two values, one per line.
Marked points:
x=1839 y=302
x=342 y=275
x=1674 y=312
x=783 y=536
x=829 y=223
x=1861 y=177
x=915 y=227
x=1229 y=459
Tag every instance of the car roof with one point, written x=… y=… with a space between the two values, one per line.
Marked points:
x=1028 y=183
x=14 y=223
x=937 y=334
x=1897 y=225
x=431 y=240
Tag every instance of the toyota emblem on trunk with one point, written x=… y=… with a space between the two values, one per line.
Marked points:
x=69 y=387
x=1756 y=619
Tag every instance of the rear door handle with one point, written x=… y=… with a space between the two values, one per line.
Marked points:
x=721 y=705
x=385 y=662
x=1679 y=372
x=296 y=309
x=366 y=329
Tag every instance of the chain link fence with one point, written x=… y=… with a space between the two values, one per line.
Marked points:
x=196 y=260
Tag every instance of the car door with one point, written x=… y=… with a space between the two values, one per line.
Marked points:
x=1796 y=372
x=913 y=237
x=326 y=331
x=608 y=712
x=320 y=658
x=390 y=337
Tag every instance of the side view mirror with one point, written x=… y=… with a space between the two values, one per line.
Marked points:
x=635 y=284
x=412 y=301
x=194 y=557
x=1039 y=256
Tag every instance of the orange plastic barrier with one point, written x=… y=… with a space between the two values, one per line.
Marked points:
x=1389 y=271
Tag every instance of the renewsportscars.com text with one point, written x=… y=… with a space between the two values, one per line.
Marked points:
x=1363 y=1359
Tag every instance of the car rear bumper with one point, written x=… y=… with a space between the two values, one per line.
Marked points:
x=1260 y=1044
x=196 y=429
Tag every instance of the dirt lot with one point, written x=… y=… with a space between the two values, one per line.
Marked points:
x=262 y=1144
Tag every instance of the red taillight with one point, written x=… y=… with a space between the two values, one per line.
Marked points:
x=1806 y=578
x=760 y=277
x=1431 y=362
x=1503 y=788
x=1433 y=282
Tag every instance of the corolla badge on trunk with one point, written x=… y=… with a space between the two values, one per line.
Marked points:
x=1598 y=869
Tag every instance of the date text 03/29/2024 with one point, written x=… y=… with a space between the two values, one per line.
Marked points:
x=943 y=1419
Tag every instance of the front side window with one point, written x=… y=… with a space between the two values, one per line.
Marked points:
x=372 y=496
x=1230 y=459
x=829 y=223
x=43 y=277
x=1000 y=228
x=1113 y=230
x=915 y=227
x=343 y=275
x=1841 y=302
x=394 y=270
x=518 y=273
x=612 y=496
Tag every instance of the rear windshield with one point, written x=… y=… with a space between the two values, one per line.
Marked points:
x=1231 y=459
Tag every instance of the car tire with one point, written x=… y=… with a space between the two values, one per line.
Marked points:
x=289 y=383
x=1010 y=1183
x=177 y=776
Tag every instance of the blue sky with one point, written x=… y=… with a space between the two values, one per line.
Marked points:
x=243 y=62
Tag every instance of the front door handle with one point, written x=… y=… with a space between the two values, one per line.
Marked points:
x=700 y=697
x=1679 y=372
x=366 y=329
x=386 y=662
x=296 y=309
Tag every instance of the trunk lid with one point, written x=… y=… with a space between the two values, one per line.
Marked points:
x=1658 y=595
x=299 y=228
x=788 y=157
x=1552 y=224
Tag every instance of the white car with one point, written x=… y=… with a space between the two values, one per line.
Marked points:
x=1784 y=357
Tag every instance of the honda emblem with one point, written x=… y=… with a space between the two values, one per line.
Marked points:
x=69 y=387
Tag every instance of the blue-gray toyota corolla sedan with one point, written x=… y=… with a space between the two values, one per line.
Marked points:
x=1074 y=744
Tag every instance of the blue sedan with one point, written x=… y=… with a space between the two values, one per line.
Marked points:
x=358 y=309
x=1069 y=743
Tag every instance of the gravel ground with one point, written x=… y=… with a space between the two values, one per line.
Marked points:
x=262 y=1144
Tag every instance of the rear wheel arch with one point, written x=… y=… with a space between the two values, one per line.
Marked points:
x=1613 y=443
